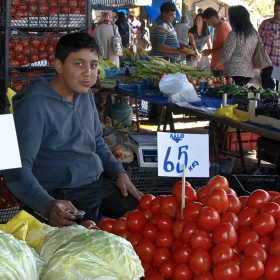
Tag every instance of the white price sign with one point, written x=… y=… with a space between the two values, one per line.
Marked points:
x=177 y=149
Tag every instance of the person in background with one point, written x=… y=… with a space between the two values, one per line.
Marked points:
x=103 y=33
x=200 y=11
x=269 y=32
x=143 y=35
x=93 y=25
x=60 y=140
x=199 y=37
x=124 y=29
x=182 y=31
x=135 y=23
x=239 y=47
x=193 y=15
x=222 y=30
x=163 y=35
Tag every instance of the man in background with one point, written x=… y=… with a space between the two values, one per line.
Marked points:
x=222 y=30
x=135 y=25
x=269 y=31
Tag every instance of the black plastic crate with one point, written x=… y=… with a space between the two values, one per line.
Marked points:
x=246 y=184
x=9 y=205
x=146 y=180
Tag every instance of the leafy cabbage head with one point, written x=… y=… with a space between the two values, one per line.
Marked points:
x=93 y=254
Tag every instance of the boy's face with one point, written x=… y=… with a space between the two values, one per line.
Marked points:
x=78 y=72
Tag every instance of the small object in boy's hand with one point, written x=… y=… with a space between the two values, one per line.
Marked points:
x=79 y=214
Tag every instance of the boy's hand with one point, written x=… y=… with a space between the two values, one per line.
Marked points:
x=57 y=213
x=126 y=186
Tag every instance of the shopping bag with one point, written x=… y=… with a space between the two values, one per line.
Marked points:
x=204 y=64
x=261 y=59
x=177 y=88
x=116 y=43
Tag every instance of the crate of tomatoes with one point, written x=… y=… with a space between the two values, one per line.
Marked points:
x=9 y=204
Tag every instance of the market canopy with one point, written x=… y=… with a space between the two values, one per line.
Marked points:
x=106 y=4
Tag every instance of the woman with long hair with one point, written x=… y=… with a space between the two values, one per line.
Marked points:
x=199 y=37
x=124 y=29
x=239 y=47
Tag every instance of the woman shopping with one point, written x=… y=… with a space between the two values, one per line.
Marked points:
x=103 y=33
x=239 y=47
x=199 y=37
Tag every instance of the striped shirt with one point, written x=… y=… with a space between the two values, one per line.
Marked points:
x=269 y=31
x=164 y=32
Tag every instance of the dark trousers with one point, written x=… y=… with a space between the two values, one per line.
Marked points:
x=217 y=73
x=102 y=198
x=267 y=81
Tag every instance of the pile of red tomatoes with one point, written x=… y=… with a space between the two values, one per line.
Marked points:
x=217 y=235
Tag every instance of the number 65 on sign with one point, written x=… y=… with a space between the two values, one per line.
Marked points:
x=175 y=149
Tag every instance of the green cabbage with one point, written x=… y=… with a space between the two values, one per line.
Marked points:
x=17 y=260
x=93 y=254
x=55 y=238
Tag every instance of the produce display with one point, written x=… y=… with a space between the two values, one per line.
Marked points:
x=234 y=91
x=217 y=235
x=152 y=67
x=140 y=51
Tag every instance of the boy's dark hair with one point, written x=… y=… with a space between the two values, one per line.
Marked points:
x=167 y=7
x=210 y=12
x=277 y=3
x=74 y=42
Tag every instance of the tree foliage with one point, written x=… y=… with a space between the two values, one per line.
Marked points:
x=263 y=7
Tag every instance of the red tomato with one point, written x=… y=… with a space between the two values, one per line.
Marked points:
x=178 y=227
x=201 y=192
x=134 y=238
x=168 y=206
x=217 y=181
x=161 y=255
x=254 y=249
x=191 y=211
x=245 y=238
x=258 y=199
x=224 y=233
x=176 y=244
x=18 y=48
x=276 y=199
x=201 y=239
x=238 y=258
x=221 y=253
x=124 y=233
x=274 y=247
x=203 y=199
x=136 y=221
x=232 y=191
x=273 y=194
x=120 y=224
x=35 y=43
x=190 y=193
x=218 y=199
x=153 y=219
x=106 y=224
x=155 y=204
x=164 y=222
x=276 y=232
x=234 y=205
x=231 y=218
x=89 y=224
x=167 y=268
x=187 y=231
x=204 y=276
x=272 y=268
x=182 y=254
x=251 y=268
x=164 y=238
x=182 y=272
x=208 y=218
x=200 y=261
x=263 y=224
x=227 y=270
x=247 y=215
x=145 y=202
x=145 y=250
x=265 y=242
x=271 y=208
x=243 y=199
x=149 y=232
x=154 y=276
x=148 y=213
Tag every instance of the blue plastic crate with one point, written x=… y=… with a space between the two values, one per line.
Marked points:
x=141 y=89
x=111 y=73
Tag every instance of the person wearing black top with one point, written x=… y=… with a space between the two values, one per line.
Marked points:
x=124 y=29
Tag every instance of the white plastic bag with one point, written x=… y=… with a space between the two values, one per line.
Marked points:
x=179 y=86
x=256 y=81
x=204 y=64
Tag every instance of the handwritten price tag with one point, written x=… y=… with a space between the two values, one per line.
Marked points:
x=175 y=149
